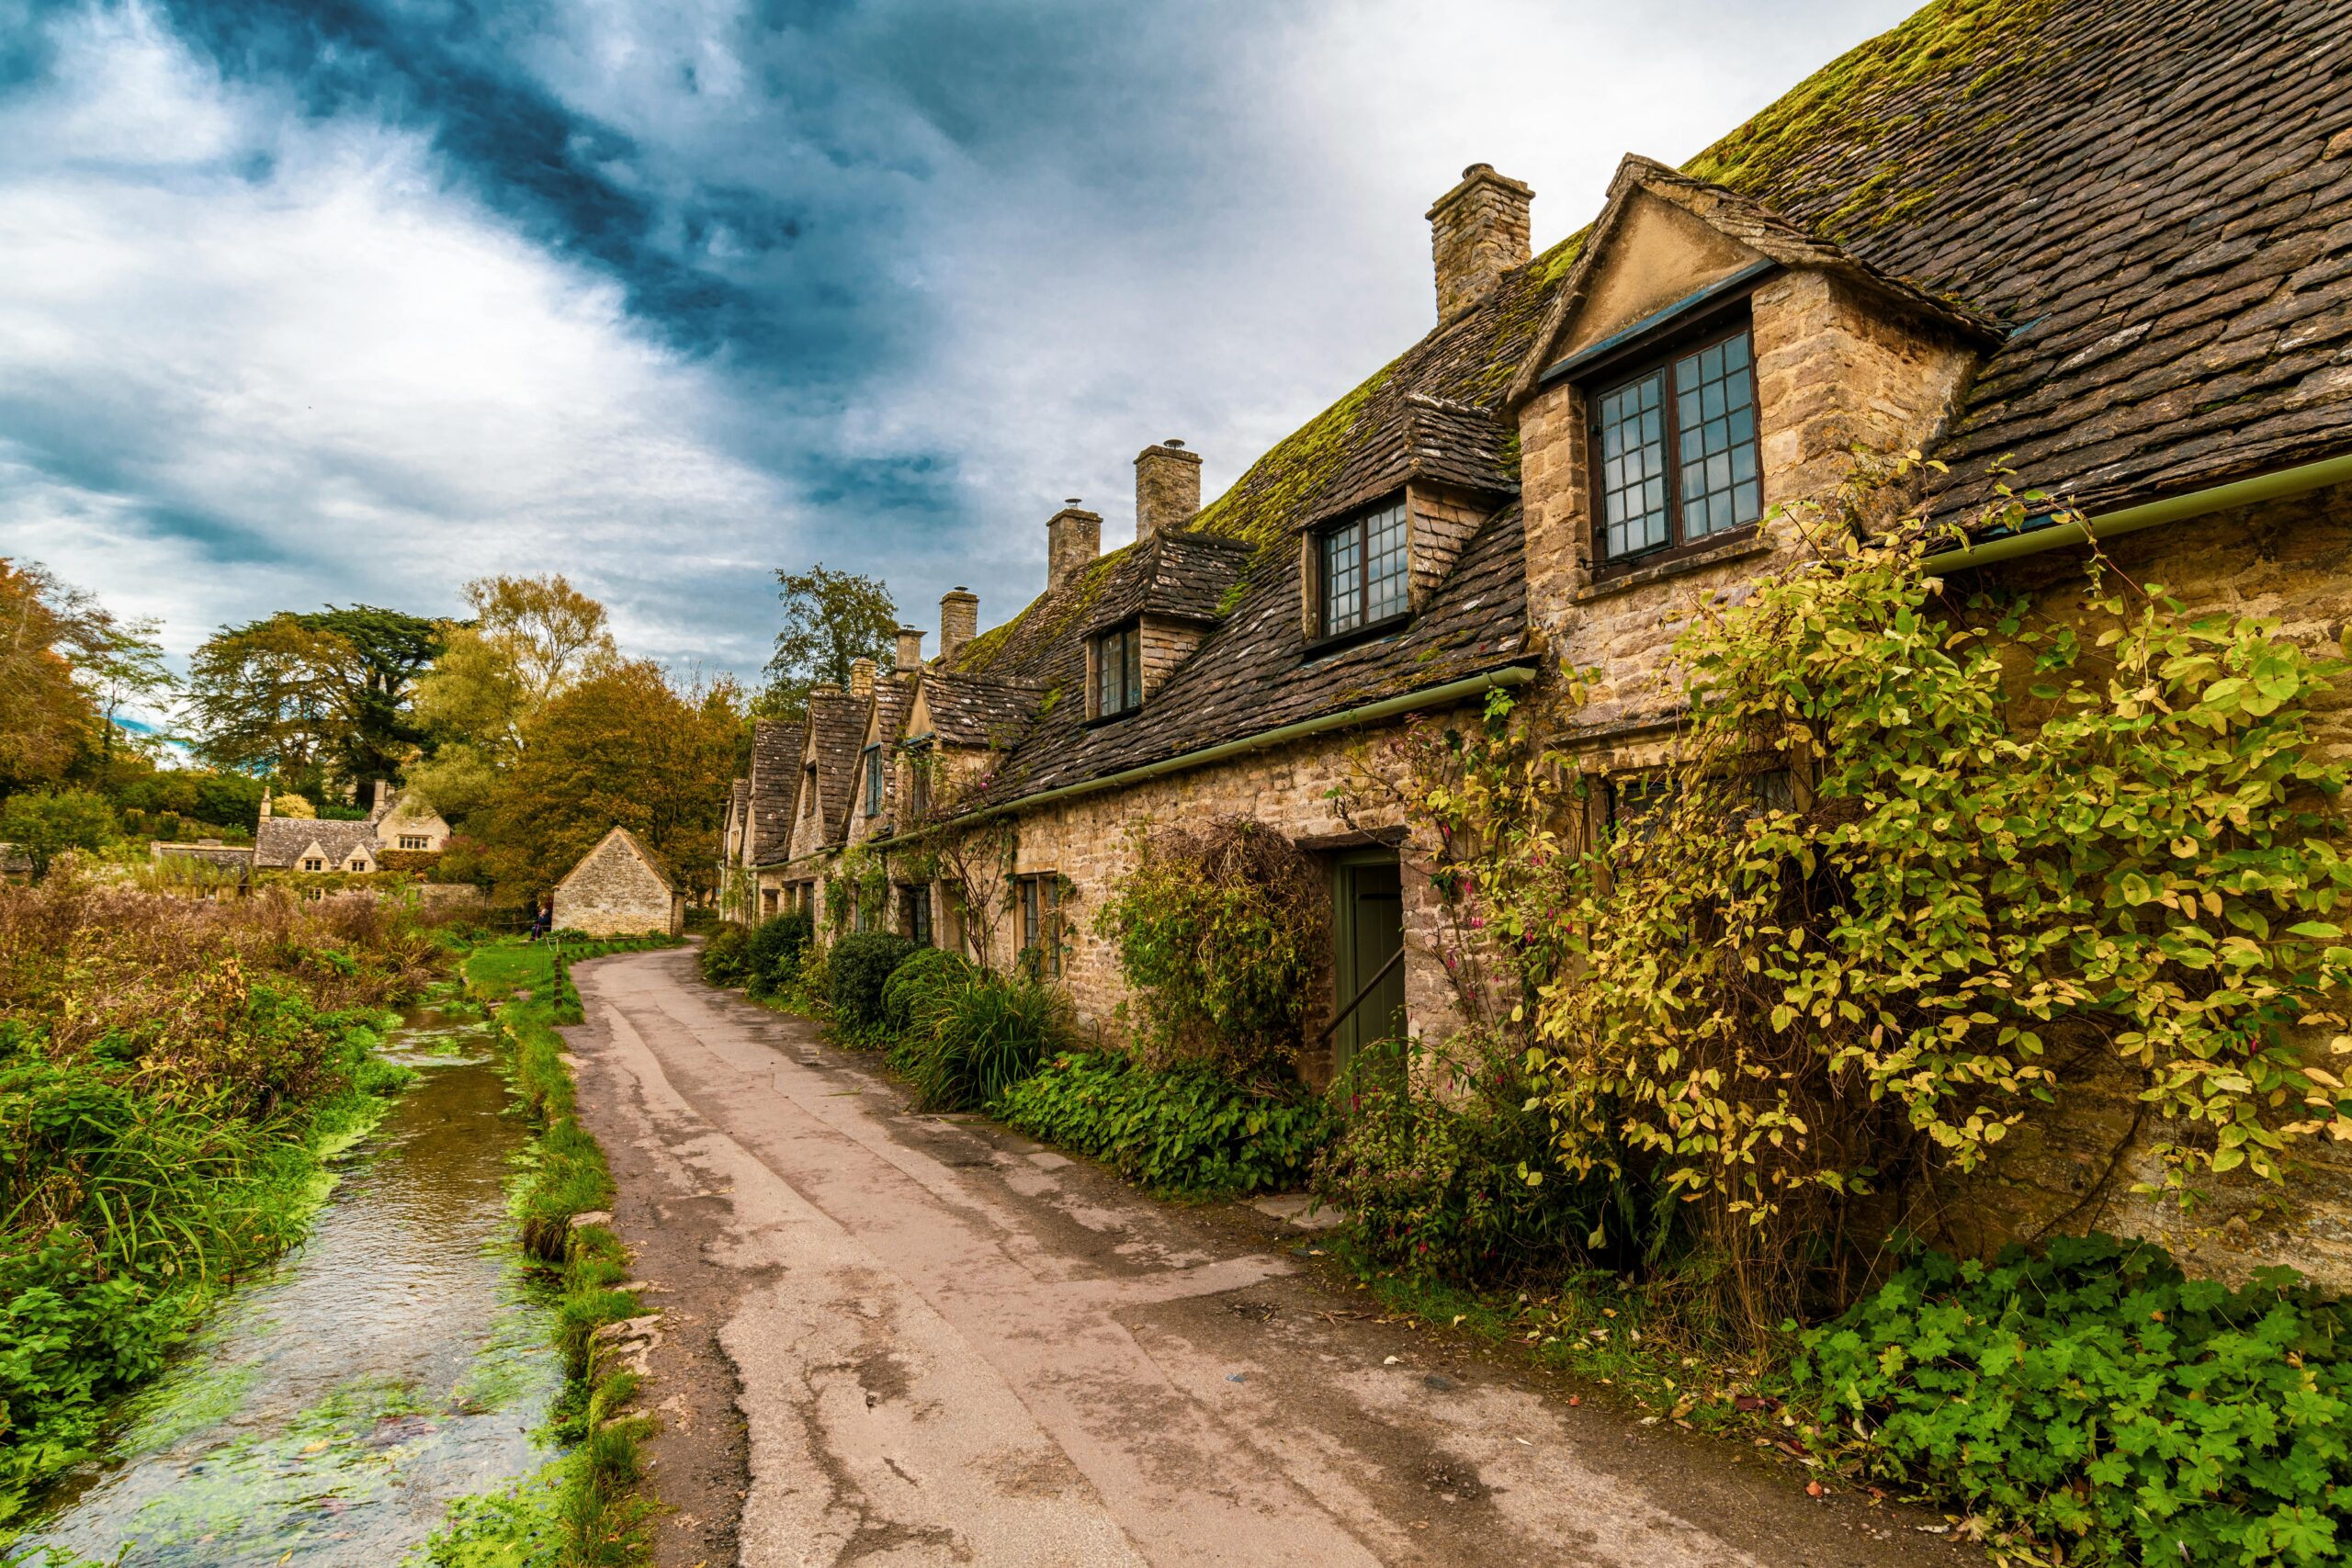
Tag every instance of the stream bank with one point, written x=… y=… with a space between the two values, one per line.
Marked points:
x=395 y=1361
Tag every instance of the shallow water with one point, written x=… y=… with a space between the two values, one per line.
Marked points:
x=333 y=1408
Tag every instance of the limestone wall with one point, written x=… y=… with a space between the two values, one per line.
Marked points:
x=612 y=892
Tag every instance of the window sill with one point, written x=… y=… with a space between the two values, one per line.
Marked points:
x=1747 y=543
x=1349 y=639
x=1098 y=720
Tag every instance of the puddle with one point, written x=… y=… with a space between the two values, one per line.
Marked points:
x=397 y=1360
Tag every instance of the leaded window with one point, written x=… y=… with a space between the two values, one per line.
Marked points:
x=1674 y=450
x=873 y=781
x=1041 y=924
x=1118 y=672
x=1363 y=571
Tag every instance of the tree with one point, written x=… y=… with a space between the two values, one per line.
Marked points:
x=125 y=663
x=830 y=619
x=46 y=720
x=45 y=825
x=531 y=640
x=623 y=747
x=316 y=694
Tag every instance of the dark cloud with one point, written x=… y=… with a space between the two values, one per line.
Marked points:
x=669 y=294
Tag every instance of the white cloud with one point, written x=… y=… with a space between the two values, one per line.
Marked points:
x=230 y=392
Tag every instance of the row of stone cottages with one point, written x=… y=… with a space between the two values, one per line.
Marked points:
x=2108 y=243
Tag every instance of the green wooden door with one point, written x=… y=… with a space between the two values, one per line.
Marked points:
x=1368 y=923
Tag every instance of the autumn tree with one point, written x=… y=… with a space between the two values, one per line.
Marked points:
x=623 y=747
x=530 y=640
x=831 y=618
x=46 y=719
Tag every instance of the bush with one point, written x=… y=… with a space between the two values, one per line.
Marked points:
x=918 y=986
x=1180 y=1130
x=1221 y=930
x=2097 y=1399
x=1447 y=1172
x=773 y=957
x=974 y=1040
x=860 y=966
x=726 y=955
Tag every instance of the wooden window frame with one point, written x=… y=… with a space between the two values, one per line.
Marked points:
x=1359 y=522
x=1129 y=638
x=1042 y=943
x=1624 y=370
x=876 y=793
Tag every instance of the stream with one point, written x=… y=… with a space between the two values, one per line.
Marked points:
x=335 y=1406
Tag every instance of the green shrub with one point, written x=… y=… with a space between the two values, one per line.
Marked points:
x=1180 y=1130
x=861 y=967
x=975 y=1040
x=920 y=984
x=726 y=954
x=1221 y=930
x=772 y=956
x=2099 y=1400
x=1447 y=1172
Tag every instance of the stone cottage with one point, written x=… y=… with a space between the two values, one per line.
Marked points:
x=618 y=889
x=2106 y=246
x=393 y=823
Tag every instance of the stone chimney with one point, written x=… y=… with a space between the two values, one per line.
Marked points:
x=1073 y=538
x=265 y=803
x=861 y=677
x=910 y=651
x=1477 y=232
x=959 y=619
x=1167 y=488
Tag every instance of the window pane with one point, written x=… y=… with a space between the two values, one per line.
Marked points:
x=1343 y=582
x=1385 y=557
x=1131 y=662
x=1629 y=436
x=1717 y=449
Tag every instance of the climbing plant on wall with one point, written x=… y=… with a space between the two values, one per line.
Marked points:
x=1918 y=859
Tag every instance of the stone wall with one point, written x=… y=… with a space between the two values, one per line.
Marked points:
x=613 y=892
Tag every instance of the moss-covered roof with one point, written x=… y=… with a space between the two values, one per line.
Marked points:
x=2153 y=201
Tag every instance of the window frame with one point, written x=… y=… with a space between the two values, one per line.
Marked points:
x=914 y=908
x=1358 y=523
x=877 y=793
x=1042 y=944
x=416 y=841
x=1636 y=364
x=1129 y=635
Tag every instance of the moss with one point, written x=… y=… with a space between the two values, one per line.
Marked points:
x=1042 y=621
x=1854 y=101
x=1260 y=506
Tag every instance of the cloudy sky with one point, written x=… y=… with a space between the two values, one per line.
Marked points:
x=337 y=300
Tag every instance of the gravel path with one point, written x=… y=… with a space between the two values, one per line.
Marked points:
x=895 y=1338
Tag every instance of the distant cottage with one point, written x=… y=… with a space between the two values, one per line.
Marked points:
x=2105 y=245
x=393 y=824
x=618 y=889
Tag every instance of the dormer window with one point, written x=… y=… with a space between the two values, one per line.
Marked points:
x=1118 y=672
x=873 y=781
x=809 y=789
x=1674 y=449
x=1362 y=578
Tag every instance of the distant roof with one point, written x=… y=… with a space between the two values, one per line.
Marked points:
x=968 y=710
x=774 y=789
x=837 y=721
x=628 y=840
x=281 y=841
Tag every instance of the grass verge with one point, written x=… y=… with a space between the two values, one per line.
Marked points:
x=583 y=1510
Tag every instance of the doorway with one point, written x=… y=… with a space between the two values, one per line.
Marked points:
x=1368 y=931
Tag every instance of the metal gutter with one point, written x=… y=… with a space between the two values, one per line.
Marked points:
x=2276 y=485
x=1412 y=702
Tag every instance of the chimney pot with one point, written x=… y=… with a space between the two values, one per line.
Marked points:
x=1073 y=539
x=1167 y=488
x=959 y=620
x=1478 y=231
x=909 y=649
x=861 y=677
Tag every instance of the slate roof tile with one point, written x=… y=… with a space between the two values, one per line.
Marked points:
x=838 y=722
x=775 y=787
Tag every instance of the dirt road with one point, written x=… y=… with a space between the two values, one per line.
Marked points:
x=909 y=1340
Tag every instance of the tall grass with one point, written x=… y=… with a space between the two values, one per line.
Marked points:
x=170 y=1072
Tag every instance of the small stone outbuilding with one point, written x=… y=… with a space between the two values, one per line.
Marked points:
x=618 y=889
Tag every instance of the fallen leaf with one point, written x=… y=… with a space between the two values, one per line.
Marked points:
x=1814 y=1489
